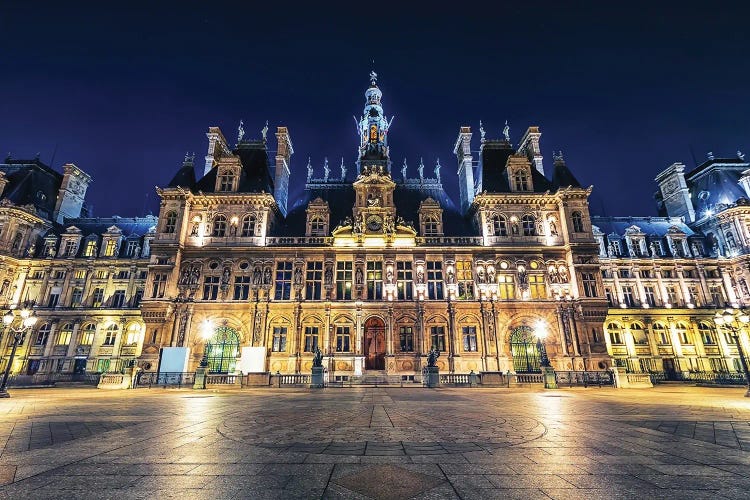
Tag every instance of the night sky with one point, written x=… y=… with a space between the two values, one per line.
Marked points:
x=124 y=91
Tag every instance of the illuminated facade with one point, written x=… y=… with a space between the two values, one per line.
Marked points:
x=374 y=266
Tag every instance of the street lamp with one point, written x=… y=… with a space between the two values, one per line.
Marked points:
x=540 y=330
x=27 y=321
x=732 y=321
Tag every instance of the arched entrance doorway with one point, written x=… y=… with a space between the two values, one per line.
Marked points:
x=526 y=357
x=374 y=348
x=222 y=350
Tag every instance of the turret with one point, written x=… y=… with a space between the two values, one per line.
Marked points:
x=284 y=152
x=462 y=150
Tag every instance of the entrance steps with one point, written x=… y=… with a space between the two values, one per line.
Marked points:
x=375 y=378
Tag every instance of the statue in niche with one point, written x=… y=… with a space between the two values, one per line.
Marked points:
x=298 y=276
x=480 y=275
x=420 y=276
x=743 y=287
x=358 y=277
x=451 y=277
x=329 y=275
x=267 y=276
x=491 y=274
x=388 y=225
x=389 y=275
x=563 y=273
x=195 y=275
x=185 y=277
x=225 y=276
x=256 y=276
x=552 y=228
x=514 y=229
x=523 y=279
x=697 y=252
x=257 y=327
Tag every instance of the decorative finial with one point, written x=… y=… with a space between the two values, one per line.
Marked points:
x=373 y=78
x=264 y=131
x=710 y=155
x=326 y=170
x=309 y=170
x=188 y=158
x=506 y=131
x=343 y=169
x=740 y=155
x=557 y=157
x=240 y=132
x=482 y=133
x=403 y=170
x=437 y=170
x=420 y=169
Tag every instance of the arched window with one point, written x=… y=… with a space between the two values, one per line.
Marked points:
x=706 y=333
x=639 y=336
x=248 y=225
x=615 y=333
x=64 y=335
x=43 y=334
x=526 y=356
x=226 y=181
x=87 y=334
x=431 y=226
x=661 y=334
x=317 y=227
x=682 y=333
x=110 y=334
x=499 y=225
x=529 y=225
x=577 y=220
x=220 y=226
x=170 y=223
x=522 y=180
x=222 y=350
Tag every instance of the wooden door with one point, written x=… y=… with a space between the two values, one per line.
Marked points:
x=374 y=348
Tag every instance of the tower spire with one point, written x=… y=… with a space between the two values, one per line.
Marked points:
x=373 y=130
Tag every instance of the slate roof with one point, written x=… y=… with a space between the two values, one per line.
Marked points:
x=716 y=182
x=651 y=226
x=31 y=182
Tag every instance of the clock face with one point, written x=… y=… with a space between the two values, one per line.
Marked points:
x=374 y=223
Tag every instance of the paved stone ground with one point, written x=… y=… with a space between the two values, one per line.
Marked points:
x=668 y=442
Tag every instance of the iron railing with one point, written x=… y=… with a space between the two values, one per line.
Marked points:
x=53 y=378
x=165 y=379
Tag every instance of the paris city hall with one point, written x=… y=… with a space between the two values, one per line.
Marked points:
x=375 y=265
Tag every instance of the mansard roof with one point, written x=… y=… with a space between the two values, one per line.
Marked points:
x=650 y=226
x=31 y=182
x=494 y=174
x=562 y=176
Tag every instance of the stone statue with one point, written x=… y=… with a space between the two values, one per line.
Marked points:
x=267 y=276
x=326 y=170
x=329 y=275
x=264 y=131
x=256 y=276
x=185 y=277
x=343 y=169
x=451 y=276
x=389 y=275
x=420 y=169
x=298 y=276
x=563 y=273
x=195 y=275
x=31 y=251
x=358 y=276
x=506 y=131
x=437 y=170
x=491 y=274
x=309 y=170
x=240 y=132
x=480 y=275
x=482 y=133
x=654 y=253
x=225 y=276
x=403 y=170
x=420 y=276
x=432 y=357
x=552 y=228
x=388 y=225
x=317 y=357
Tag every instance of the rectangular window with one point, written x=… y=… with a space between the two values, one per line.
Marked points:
x=435 y=280
x=54 y=298
x=311 y=338
x=589 y=284
x=672 y=296
x=608 y=294
x=627 y=296
x=537 y=286
x=650 y=295
x=624 y=273
x=37 y=275
x=70 y=248
x=406 y=338
x=437 y=338
x=210 y=287
x=110 y=335
x=283 y=289
x=279 y=339
x=241 y=287
x=123 y=274
x=314 y=280
x=344 y=280
x=90 y=249
x=465 y=280
x=97 y=297
x=506 y=286
x=102 y=365
x=101 y=274
x=137 y=297
x=80 y=274
x=58 y=275
x=158 y=285
x=717 y=295
x=63 y=338
x=110 y=248
x=374 y=280
x=694 y=297
x=470 y=338
x=343 y=339
x=76 y=297
x=118 y=299
x=404 y=280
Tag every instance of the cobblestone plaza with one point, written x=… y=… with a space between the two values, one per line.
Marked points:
x=670 y=441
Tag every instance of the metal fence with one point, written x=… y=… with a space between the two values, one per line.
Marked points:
x=164 y=379
x=584 y=378
x=53 y=378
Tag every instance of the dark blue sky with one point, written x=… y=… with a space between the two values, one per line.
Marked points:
x=123 y=91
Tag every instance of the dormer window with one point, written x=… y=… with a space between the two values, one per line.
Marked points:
x=431 y=218
x=248 y=226
x=226 y=181
x=90 y=249
x=318 y=218
x=170 y=224
x=317 y=227
x=431 y=226
x=110 y=249
x=522 y=180
x=70 y=248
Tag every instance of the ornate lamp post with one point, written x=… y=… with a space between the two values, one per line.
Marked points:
x=207 y=330
x=27 y=321
x=734 y=320
x=540 y=330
